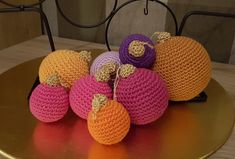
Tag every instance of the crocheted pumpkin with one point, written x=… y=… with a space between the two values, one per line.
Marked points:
x=68 y=64
x=143 y=93
x=49 y=102
x=106 y=57
x=82 y=92
x=184 y=64
x=108 y=122
x=137 y=50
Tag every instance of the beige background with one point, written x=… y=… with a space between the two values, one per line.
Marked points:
x=18 y=27
x=216 y=34
x=131 y=20
x=83 y=12
x=50 y=10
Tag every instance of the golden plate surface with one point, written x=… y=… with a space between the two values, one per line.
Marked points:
x=186 y=131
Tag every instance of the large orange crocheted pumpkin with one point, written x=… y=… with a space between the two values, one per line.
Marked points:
x=108 y=122
x=67 y=64
x=184 y=64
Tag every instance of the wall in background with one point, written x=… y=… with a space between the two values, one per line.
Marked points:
x=232 y=57
x=131 y=20
x=49 y=7
x=216 y=34
x=83 y=12
x=28 y=26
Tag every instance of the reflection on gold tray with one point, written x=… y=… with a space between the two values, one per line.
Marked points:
x=186 y=131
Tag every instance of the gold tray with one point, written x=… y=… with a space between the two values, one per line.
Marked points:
x=186 y=131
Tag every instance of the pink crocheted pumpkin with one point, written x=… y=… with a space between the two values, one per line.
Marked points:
x=49 y=103
x=82 y=93
x=143 y=93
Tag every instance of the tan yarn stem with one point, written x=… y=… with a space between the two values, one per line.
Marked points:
x=160 y=37
x=122 y=71
x=126 y=70
x=116 y=81
x=98 y=102
x=53 y=80
x=102 y=75
x=111 y=66
x=86 y=55
x=137 y=49
x=105 y=72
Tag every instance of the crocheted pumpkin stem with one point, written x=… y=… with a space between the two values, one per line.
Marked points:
x=160 y=37
x=53 y=80
x=137 y=49
x=98 y=102
x=115 y=84
x=111 y=66
x=86 y=55
x=105 y=72
x=102 y=75
x=123 y=71
x=126 y=70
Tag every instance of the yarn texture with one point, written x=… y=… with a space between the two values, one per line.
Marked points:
x=144 y=95
x=185 y=66
x=137 y=50
x=102 y=59
x=160 y=37
x=82 y=93
x=68 y=64
x=126 y=70
x=111 y=123
x=105 y=73
x=49 y=104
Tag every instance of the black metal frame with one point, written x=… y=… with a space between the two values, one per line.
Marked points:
x=28 y=6
x=87 y=25
x=31 y=8
x=178 y=31
x=145 y=12
x=201 y=13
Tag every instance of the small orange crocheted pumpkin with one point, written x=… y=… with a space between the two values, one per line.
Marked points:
x=108 y=122
x=184 y=64
x=69 y=65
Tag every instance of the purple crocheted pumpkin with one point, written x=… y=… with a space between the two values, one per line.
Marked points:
x=82 y=93
x=143 y=93
x=137 y=50
x=110 y=56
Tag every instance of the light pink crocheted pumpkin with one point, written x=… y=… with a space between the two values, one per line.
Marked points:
x=49 y=103
x=102 y=59
x=82 y=93
x=143 y=93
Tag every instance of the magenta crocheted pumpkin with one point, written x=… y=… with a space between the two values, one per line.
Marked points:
x=144 y=94
x=49 y=103
x=82 y=93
